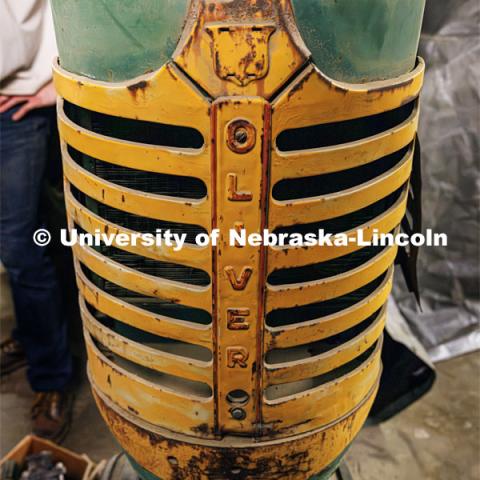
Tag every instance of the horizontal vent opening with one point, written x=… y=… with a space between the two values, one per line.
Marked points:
x=140 y=131
x=136 y=222
x=140 y=180
x=337 y=133
x=162 y=344
x=346 y=222
x=276 y=392
x=308 y=350
x=325 y=184
x=164 y=270
x=290 y=316
x=154 y=305
x=318 y=271
x=172 y=382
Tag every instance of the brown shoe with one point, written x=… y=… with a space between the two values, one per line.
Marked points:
x=12 y=356
x=52 y=414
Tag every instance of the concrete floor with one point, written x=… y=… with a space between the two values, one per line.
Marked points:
x=437 y=438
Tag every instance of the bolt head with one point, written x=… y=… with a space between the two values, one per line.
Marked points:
x=238 y=413
x=241 y=135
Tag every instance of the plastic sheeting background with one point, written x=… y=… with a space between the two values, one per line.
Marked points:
x=449 y=134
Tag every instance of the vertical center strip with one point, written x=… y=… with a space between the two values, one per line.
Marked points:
x=240 y=171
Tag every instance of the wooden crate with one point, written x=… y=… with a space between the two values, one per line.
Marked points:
x=79 y=467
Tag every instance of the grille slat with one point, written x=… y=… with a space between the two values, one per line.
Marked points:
x=141 y=180
x=159 y=355
x=303 y=313
x=338 y=133
x=330 y=268
x=305 y=187
x=312 y=349
x=134 y=222
x=281 y=392
x=140 y=131
x=153 y=305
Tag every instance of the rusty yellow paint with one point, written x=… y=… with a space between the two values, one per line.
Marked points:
x=284 y=296
x=165 y=96
x=238 y=61
x=191 y=254
x=318 y=161
x=316 y=99
x=241 y=75
x=285 y=257
x=139 y=318
x=160 y=405
x=176 y=292
x=291 y=212
x=248 y=168
x=149 y=357
x=296 y=457
x=324 y=327
x=150 y=205
x=230 y=48
x=158 y=159
x=322 y=405
x=292 y=371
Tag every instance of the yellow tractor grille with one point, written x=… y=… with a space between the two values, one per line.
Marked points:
x=259 y=347
x=142 y=181
x=325 y=307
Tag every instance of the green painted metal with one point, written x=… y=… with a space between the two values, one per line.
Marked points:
x=115 y=40
x=361 y=40
x=352 y=41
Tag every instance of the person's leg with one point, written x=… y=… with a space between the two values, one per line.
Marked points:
x=41 y=328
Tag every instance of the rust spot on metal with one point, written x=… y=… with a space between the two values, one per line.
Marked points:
x=203 y=429
x=215 y=252
x=299 y=85
x=241 y=136
x=251 y=42
x=136 y=87
x=133 y=410
x=159 y=454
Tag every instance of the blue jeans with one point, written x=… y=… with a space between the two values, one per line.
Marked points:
x=41 y=327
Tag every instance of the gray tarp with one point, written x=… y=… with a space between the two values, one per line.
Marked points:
x=449 y=136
